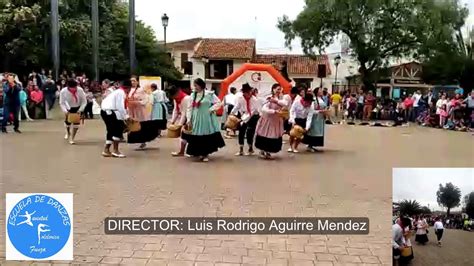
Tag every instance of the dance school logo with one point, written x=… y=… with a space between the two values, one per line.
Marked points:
x=39 y=226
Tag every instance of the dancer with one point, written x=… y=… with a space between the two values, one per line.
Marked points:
x=314 y=137
x=159 y=111
x=28 y=218
x=421 y=233
x=229 y=103
x=72 y=99
x=247 y=106
x=270 y=125
x=181 y=103
x=114 y=114
x=439 y=229
x=289 y=99
x=138 y=109
x=202 y=121
x=300 y=115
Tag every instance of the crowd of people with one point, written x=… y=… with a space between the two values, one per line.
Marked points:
x=404 y=227
x=443 y=111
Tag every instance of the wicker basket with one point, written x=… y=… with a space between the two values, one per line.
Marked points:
x=297 y=132
x=133 y=126
x=284 y=113
x=187 y=130
x=406 y=252
x=74 y=118
x=232 y=122
x=174 y=131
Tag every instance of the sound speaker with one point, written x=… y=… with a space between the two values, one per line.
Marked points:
x=321 y=71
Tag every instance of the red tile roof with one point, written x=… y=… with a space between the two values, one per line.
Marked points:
x=297 y=64
x=184 y=45
x=226 y=49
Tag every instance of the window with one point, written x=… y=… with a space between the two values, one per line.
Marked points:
x=184 y=60
x=219 y=69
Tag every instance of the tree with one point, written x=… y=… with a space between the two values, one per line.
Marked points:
x=378 y=30
x=469 y=204
x=25 y=31
x=448 y=196
x=409 y=207
x=425 y=210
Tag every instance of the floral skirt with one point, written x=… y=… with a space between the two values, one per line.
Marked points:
x=203 y=145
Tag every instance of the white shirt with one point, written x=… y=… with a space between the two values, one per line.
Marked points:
x=299 y=111
x=241 y=106
x=397 y=236
x=417 y=98
x=159 y=96
x=115 y=102
x=439 y=104
x=438 y=225
x=67 y=100
x=230 y=99
x=179 y=118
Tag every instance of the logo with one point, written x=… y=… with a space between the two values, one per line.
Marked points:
x=39 y=226
x=256 y=77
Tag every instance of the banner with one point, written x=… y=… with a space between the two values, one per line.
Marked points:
x=145 y=81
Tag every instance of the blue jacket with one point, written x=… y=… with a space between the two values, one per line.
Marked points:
x=11 y=95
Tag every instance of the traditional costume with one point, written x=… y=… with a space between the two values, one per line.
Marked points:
x=289 y=99
x=248 y=111
x=72 y=100
x=140 y=110
x=300 y=115
x=159 y=111
x=114 y=114
x=205 y=137
x=314 y=137
x=181 y=104
x=270 y=127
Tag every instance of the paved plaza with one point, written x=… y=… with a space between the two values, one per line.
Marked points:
x=351 y=178
x=456 y=249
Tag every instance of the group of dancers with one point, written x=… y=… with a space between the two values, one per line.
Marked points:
x=260 y=122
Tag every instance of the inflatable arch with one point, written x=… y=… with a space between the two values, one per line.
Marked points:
x=275 y=74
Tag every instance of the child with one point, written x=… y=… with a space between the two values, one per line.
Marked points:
x=443 y=115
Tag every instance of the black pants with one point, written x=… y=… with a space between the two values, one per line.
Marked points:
x=88 y=111
x=439 y=234
x=248 y=130
x=113 y=126
x=50 y=98
x=360 y=110
x=15 y=111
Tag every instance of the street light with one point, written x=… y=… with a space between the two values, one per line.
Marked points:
x=164 y=21
x=337 y=61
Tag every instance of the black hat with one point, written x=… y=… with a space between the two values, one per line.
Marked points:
x=246 y=88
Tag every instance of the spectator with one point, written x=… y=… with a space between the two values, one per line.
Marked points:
x=469 y=109
x=23 y=103
x=11 y=103
x=88 y=114
x=36 y=102
x=360 y=104
x=408 y=106
x=369 y=103
x=49 y=90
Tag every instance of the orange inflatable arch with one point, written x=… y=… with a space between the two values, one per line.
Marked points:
x=285 y=85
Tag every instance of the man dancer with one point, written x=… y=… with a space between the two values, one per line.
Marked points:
x=72 y=99
x=11 y=103
x=248 y=107
x=182 y=102
x=114 y=113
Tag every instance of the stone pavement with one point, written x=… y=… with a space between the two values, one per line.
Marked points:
x=456 y=249
x=351 y=178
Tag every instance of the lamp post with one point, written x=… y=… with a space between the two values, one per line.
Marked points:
x=337 y=61
x=131 y=35
x=55 y=37
x=164 y=21
x=95 y=38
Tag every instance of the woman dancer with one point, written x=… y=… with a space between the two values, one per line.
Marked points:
x=181 y=103
x=72 y=99
x=201 y=118
x=114 y=112
x=300 y=114
x=270 y=125
x=247 y=105
x=314 y=137
x=421 y=233
x=138 y=108
x=159 y=111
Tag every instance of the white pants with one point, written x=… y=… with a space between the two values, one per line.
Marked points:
x=25 y=110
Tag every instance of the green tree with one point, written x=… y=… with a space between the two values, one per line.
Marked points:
x=410 y=207
x=425 y=210
x=378 y=30
x=469 y=204
x=25 y=38
x=448 y=196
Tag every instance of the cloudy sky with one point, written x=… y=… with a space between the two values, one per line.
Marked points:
x=229 y=19
x=421 y=184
